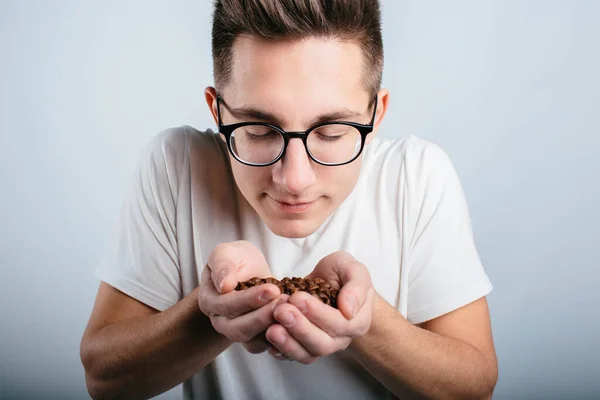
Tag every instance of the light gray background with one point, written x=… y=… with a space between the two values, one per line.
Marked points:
x=509 y=88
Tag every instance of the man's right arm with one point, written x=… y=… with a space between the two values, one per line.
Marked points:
x=130 y=350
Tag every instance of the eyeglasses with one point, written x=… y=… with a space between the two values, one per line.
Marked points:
x=261 y=144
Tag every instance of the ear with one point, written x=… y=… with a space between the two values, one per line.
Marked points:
x=383 y=98
x=210 y=94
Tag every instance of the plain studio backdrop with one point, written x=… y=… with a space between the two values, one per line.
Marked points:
x=509 y=88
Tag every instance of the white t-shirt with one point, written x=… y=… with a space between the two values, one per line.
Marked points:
x=406 y=220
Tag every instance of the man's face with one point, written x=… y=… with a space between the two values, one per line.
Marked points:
x=295 y=83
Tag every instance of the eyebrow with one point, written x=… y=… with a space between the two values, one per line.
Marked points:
x=251 y=113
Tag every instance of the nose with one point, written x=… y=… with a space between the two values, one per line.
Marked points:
x=294 y=171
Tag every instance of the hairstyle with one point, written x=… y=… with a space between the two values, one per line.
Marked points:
x=346 y=20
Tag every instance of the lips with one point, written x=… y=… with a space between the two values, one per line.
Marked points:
x=293 y=203
x=292 y=206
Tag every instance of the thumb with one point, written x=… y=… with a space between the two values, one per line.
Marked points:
x=355 y=284
x=233 y=262
x=222 y=274
x=223 y=269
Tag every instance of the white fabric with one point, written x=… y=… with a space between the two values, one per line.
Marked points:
x=406 y=220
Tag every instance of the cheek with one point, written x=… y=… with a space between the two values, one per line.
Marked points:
x=250 y=179
x=339 y=181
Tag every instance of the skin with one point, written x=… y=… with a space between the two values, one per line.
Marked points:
x=130 y=350
x=313 y=77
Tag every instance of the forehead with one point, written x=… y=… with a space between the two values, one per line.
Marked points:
x=297 y=76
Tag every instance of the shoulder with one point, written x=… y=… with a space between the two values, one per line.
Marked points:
x=174 y=144
x=173 y=149
x=410 y=154
x=408 y=164
x=169 y=156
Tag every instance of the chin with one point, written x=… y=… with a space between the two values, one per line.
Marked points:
x=293 y=229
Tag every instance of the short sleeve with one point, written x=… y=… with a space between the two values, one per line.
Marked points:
x=445 y=271
x=142 y=260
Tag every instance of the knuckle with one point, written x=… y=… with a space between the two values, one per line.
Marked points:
x=308 y=360
x=242 y=335
x=225 y=311
x=202 y=307
x=337 y=330
x=235 y=335
x=359 y=331
x=325 y=349
x=205 y=306
x=363 y=329
x=321 y=351
x=219 y=325
x=264 y=317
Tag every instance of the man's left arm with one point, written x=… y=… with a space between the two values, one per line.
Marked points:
x=449 y=357
x=443 y=348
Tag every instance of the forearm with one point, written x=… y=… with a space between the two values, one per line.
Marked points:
x=142 y=357
x=413 y=362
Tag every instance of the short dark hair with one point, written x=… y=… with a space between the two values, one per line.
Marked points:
x=346 y=20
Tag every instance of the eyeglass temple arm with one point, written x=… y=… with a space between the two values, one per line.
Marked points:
x=218 y=111
x=376 y=99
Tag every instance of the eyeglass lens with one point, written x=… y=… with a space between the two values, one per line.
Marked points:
x=329 y=144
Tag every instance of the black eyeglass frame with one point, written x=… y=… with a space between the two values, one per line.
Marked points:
x=227 y=130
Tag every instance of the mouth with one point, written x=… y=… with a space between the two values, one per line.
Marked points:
x=292 y=207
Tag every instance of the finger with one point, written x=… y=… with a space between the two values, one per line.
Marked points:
x=258 y=344
x=277 y=354
x=288 y=346
x=245 y=327
x=323 y=316
x=223 y=274
x=236 y=303
x=233 y=262
x=355 y=285
x=327 y=268
x=311 y=337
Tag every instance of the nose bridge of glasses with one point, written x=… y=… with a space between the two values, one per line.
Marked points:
x=296 y=134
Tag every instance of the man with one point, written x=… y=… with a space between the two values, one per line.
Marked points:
x=295 y=184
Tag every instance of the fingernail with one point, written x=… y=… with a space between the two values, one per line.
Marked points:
x=283 y=299
x=302 y=307
x=221 y=279
x=267 y=296
x=287 y=318
x=352 y=305
x=280 y=339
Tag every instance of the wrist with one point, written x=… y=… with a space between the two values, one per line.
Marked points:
x=383 y=316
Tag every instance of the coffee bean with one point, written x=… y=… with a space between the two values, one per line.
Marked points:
x=317 y=287
x=324 y=298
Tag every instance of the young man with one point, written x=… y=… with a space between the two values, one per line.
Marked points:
x=295 y=184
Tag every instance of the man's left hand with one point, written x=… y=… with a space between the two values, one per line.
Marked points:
x=308 y=328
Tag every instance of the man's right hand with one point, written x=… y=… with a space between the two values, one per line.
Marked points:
x=241 y=316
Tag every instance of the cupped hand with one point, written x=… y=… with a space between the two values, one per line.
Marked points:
x=241 y=316
x=307 y=329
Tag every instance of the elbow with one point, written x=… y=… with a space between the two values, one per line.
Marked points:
x=100 y=388
x=89 y=361
x=98 y=382
x=97 y=389
x=487 y=389
x=481 y=385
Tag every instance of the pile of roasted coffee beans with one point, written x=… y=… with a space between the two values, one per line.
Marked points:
x=317 y=287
